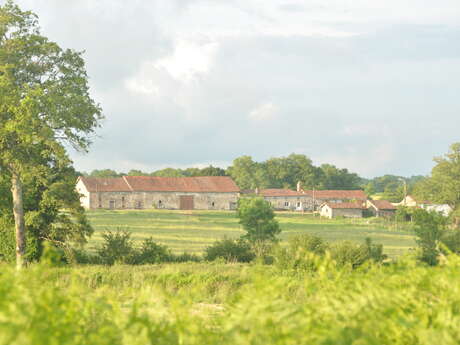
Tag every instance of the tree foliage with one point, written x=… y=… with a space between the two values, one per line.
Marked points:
x=258 y=220
x=44 y=104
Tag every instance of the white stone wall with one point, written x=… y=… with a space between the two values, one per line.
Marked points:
x=84 y=195
x=326 y=211
x=161 y=200
x=291 y=203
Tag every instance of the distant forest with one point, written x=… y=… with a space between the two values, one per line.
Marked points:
x=285 y=172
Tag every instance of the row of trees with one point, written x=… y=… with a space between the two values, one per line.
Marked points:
x=281 y=172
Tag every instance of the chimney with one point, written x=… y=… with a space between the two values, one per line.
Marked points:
x=299 y=184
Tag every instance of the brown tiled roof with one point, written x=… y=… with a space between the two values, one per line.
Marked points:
x=200 y=184
x=103 y=184
x=337 y=194
x=280 y=192
x=383 y=204
x=345 y=205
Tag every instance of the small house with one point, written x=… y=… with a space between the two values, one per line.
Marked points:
x=342 y=209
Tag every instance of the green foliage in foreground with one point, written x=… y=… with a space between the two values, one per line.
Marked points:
x=402 y=303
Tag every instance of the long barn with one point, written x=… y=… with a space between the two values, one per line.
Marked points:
x=175 y=193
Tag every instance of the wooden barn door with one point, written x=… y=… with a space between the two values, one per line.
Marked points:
x=186 y=202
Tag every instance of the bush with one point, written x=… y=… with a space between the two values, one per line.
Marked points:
x=404 y=214
x=230 y=250
x=451 y=239
x=375 y=251
x=429 y=228
x=308 y=243
x=186 y=257
x=301 y=254
x=52 y=255
x=348 y=253
x=151 y=253
x=117 y=248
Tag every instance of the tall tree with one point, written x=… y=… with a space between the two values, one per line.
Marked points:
x=247 y=173
x=44 y=104
x=445 y=177
x=335 y=178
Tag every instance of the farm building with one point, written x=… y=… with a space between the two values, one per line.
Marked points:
x=286 y=199
x=306 y=200
x=139 y=192
x=342 y=209
x=381 y=208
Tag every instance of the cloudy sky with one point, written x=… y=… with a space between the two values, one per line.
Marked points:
x=368 y=85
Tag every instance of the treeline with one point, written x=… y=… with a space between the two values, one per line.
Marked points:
x=391 y=187
x=441 y=186
x=280 y=172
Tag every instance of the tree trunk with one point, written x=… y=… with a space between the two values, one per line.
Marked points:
x=18 y=211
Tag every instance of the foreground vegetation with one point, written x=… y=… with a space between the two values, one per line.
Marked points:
x=197 y=303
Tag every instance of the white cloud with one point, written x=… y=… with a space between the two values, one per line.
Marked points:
x=189 y=60
x=264 y=112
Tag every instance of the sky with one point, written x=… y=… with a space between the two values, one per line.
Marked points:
x=371 y=86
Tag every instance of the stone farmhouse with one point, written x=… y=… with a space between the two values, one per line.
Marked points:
x=381 y=208
x=342 y=209
x=175 y=193
x=286 y=199
x=306 y=200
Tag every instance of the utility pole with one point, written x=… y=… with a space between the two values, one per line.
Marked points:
x=405 y=189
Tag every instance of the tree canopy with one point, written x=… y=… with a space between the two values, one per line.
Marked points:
x=44 y=105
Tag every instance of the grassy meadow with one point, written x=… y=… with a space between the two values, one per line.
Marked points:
x=192 y=231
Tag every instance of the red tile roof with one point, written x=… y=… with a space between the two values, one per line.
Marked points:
x=345 y=205
x=383 y=204
x=337 y=194
x=105 y=184
x=279 y=192
x=200 y=184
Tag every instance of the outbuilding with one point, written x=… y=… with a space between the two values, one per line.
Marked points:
x=342 y=209
x=381 y=208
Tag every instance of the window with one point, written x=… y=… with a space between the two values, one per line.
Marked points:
x=213 y=204
x=138 y=204
x=123 y=205
x=160 y=204
x=286 y=203
x=99 y=199
x=112 y=204
x=299 y=204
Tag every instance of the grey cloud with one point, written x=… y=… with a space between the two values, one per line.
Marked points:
x=384 y=101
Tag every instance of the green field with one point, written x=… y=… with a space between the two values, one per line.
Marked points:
x=192 y=231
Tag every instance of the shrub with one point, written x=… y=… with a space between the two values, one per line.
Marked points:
x=348 y=253
x=375 y=251
x=186 y=257
x=151 y=253
x=301 y=254
x=429 y=228
x=230 y=250
x=52 y=255
x=451 y=239
x=404 y=214
x=309 y=243
x=117 y=248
